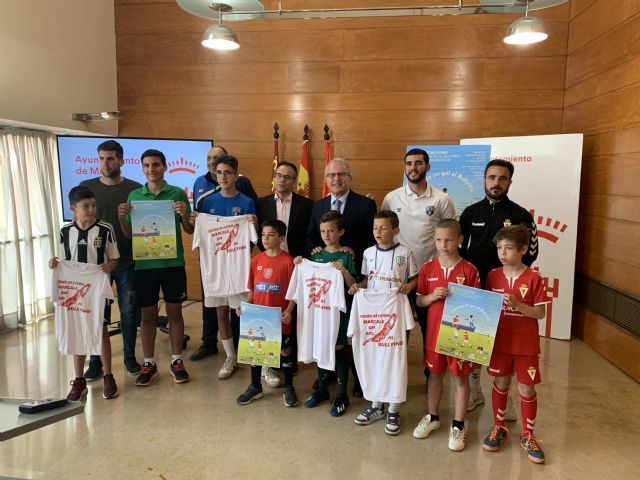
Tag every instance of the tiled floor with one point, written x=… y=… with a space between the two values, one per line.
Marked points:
x=588 y=416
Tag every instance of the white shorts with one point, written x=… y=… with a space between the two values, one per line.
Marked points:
x=233 y=301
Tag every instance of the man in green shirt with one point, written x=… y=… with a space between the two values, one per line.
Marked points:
x=154 y=274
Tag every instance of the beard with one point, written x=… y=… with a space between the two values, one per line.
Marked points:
x=496 y=196
x=111 y=174
x=419 y=179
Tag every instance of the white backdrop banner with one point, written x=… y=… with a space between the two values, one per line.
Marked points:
x=547 y=183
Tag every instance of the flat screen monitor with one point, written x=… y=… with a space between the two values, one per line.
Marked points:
x=78 y=161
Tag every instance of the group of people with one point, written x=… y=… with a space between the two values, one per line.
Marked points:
x=414 y=245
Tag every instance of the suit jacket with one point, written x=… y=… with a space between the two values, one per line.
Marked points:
x=298 y=221
x=358 y=213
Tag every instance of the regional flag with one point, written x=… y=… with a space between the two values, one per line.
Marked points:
x=304 y=176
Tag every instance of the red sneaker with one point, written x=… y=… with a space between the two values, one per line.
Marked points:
x=78 y=390
x=110 y=388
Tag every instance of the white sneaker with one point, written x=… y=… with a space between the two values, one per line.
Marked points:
x=510 y=414
x=425 y=427
x=457 y=439
x=227 y=369
x=269 y=376
x=476 y=398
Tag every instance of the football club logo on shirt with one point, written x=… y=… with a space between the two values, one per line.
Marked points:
x=506 y=223
x=267 y=273
x=532 y=372
x=460 y=278
x=430 y=210
x=97 y=242
x=400 y=260
x=523 y=290
x=82 y=242
x=236 y=211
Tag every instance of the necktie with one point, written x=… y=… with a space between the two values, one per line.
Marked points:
x=337 y=203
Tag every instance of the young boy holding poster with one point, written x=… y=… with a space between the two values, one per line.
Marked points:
x=433 y=282
x=517 y=345
x=269 y=277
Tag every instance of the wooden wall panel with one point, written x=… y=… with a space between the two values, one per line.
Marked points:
x=619 y=347
x=441 y=79
x=602 y=99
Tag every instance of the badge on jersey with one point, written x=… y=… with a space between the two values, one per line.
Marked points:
x=460 y=278
x=532 y=372
x=506 y=223
x=523 y=290
x=400 y=260
x=430 y=210
x=236 y=211
x=268 y=272
x=97 y=242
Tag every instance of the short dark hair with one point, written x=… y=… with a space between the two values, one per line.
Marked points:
x=112 y=146
x=518 y=234
x=392 y=216
x=79 y=193
x=284 y=163
x=418 y=151
x=227 y=159
x=450 y=224
x=498 y=162
x=278 y=225
x=334 y=216
x=154 y=153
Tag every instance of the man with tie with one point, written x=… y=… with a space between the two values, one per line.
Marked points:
x=357 y=209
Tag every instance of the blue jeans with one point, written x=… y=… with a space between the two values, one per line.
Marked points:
x=129 y=312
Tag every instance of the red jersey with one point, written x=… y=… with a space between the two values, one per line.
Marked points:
x=433 y=275
x=518 y=334
x=269 y=278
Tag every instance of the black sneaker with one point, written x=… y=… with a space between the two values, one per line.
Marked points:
x=132 y=365
x=147 y=374
x=316 y=398
x=94 y=371
x=290 y=397
x=340 y=405
x=203 y=351
x=393 y=423
x=178 y=371
x=250 y=394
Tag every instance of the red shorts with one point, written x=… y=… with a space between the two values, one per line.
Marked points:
x=438 y=363
x=527 y=367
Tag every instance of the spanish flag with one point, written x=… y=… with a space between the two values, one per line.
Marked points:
x=304 y=175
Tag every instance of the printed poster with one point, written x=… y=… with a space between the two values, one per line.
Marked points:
x=260 y=335
x=469 y=323
x=153 y=228
x=457 y=170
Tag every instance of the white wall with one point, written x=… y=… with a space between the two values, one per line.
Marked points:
x=58 y=57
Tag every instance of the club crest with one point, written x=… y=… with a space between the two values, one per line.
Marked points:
x=506 y=223
x=532 y=372
x=523 y=290
x=430 y=210
x=400 y=260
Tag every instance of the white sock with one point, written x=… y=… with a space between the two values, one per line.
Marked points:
x=474 y=380
x=394 y=407
x=377 y=405
x=229 y=348
x=150 y=360
x=175 y=357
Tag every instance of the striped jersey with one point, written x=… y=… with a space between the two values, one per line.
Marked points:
x=97 y=244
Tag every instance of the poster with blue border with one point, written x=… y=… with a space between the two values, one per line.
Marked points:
x=469 y=323
x=260 y=335
x=458 y=170
x=153 y=230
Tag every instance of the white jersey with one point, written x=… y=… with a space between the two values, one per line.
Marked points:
x=318 y=290
x=378 y=324
x=225 y=255
x=419 y=217
x=79 y=291
x=388 y=268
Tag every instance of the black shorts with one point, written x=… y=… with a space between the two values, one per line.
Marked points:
x=172 y=281
x=286 y=341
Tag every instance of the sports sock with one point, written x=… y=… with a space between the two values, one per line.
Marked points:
x=474 y=380
x=459 y=424
x=229 y=349
x=322 y=380
x=256 y=381
x=394 y=407
x=150 y=360
x=434 y=418
x=529 y=409
x=499 y=402
x=286 y=361
x=175 y=357
x=377 y=405
x=342 y=371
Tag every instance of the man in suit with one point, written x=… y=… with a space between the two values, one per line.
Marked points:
x=293 y=209
x=357 y=209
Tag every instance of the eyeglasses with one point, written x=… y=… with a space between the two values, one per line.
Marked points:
x=226 y=173
x=280 y=176
x=337 y=174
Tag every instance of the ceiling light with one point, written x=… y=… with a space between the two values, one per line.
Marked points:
x=220 y=37
x=526 y=30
